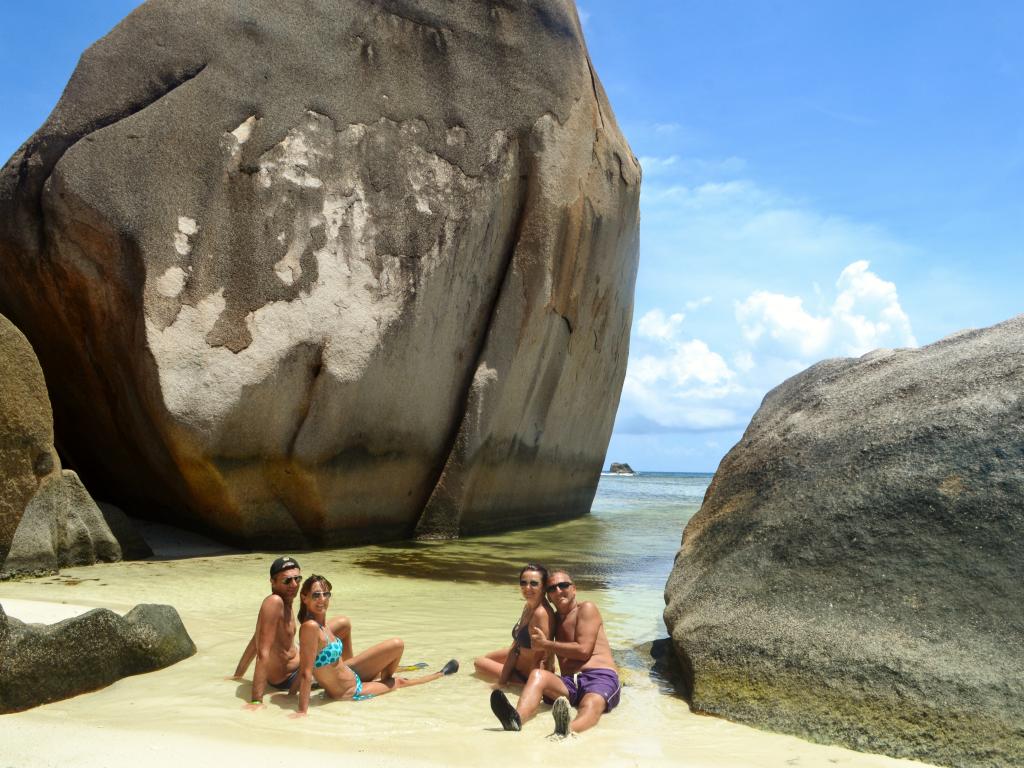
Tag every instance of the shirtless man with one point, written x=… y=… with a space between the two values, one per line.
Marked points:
x=588 y=682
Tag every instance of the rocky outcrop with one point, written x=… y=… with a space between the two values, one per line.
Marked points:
x=330 y=272
x=133 y=546
x=621 y=469
x=27 y=455
x=61 y=527
x=44 y=663
x=48 y=520
x=856 y=572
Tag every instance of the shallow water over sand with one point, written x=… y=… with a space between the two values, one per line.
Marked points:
x=453 y=599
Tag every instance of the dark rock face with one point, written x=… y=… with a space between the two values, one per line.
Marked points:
x=322 y=273
x=621 y=469
x=133 y=545
x=856 y=572
x=44 y=663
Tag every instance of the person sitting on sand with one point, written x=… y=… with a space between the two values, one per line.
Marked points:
x=516 y=662
x=341 y=673
x=273 y=642
x=588 y=681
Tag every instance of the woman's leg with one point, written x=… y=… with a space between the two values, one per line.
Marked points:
x=380 y=687
x=539 y=684
x=490 y=666
x=380 y=660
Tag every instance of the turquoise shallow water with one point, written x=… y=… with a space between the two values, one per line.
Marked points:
x=629 y=539
x=620 y=555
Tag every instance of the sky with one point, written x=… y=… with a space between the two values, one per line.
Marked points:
x=819 y=180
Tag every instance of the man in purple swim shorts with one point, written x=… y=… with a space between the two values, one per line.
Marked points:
x=588 y=682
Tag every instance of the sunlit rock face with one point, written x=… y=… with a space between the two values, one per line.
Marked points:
x=856 y=571
x=329 y=273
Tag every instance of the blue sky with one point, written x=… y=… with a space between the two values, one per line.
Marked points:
x=820 y=179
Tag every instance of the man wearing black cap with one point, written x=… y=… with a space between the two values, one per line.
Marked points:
x=273 y=644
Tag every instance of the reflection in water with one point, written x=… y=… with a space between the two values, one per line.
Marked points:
x=629 y=539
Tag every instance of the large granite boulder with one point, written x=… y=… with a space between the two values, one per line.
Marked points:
x=27 y=455
x=44 y=663
x=856 y=572
x=330 y=272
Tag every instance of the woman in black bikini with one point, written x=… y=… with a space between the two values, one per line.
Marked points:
x=342 y=674
x=514 y=664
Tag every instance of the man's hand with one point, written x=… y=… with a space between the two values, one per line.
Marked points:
x=252 y=706
x=538 y=640
x=296 y=715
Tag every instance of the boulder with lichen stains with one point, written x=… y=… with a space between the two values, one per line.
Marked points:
x=856 y=571
x=323 y=273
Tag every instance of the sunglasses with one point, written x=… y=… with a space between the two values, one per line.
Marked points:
x=291 y=579
x=530 y=583
x=560 y=586
x=318 y=595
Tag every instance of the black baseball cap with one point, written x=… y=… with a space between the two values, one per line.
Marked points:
x=282 y=563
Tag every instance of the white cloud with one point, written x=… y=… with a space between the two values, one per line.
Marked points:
x=584 y=16
x=655 y=325
x=703 y=362
x=865 y=315
x=744 y=361
x=687 y=363
x=867 y=311
x=677 y=389
x=783 y=320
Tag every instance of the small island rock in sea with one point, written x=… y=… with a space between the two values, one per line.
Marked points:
x=620 y=469
x=330 y=273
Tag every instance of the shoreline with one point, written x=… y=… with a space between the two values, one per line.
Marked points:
x=190 y=711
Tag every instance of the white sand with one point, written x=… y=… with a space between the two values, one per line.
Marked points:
x=189 y=713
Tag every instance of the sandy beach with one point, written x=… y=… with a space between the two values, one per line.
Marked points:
x=191 y=712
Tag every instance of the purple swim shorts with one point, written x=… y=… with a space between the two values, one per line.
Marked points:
x=604 y=682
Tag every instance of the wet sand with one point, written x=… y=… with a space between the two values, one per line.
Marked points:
x=190 y=712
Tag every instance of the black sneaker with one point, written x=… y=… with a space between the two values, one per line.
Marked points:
x=560 y=711
x=451 y=667
x=505 y=712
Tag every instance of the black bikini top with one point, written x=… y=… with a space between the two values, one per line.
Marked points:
x=521 y=634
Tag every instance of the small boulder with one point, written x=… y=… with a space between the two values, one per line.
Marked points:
x=133 y=546
x=44 y=663
x=61 y=527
